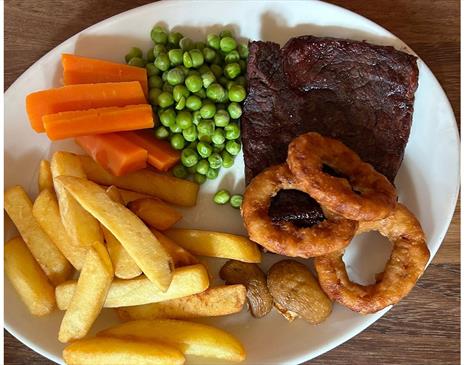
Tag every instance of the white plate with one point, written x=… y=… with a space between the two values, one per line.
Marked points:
x=428 y=181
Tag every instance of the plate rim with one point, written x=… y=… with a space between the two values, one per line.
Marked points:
x=337 y=341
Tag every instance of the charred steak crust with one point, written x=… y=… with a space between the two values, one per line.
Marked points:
x=359 y=93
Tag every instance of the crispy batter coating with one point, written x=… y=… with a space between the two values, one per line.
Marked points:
x=361 y=193
x=284 y=238
x=406 y=264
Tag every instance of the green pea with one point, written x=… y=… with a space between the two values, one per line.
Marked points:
x=155 y=81
x=189 y=157
x=216 y=70
x=227 y=44
x=221 y=118
x=159 y=49
x=150 y=55
x=190 y=134
x=168 y=117
x=243 y=66
x=218 y=60
x=181 y=103
x=232 y=56
x=213 y=41
x=241 y=80
x=197 y=57
x=152 y=70
x=200 y=93
x=196 y=118
x=193 y=145
x=232 y=131
x=223 y=81
x=137 y=61
x=209 y=54
x=243 y=51
x=202 y=167
x=187 y=60
x=204 y=149
x=161 y=132
x=232 y=70
x=164 y=76
x=180 y=91
x=180 y=172
x=233 y=147
x=215 y=92
x=206 y=138
x=174 y=38
x=200 y=45
x=184 y=119
x=159 y=35
x=186 y=44
x=208 y=78
x=236 y=201
x=162 y=62
x=199 y=178
x=227 y=159
x=221 y=197
x=192 y=169
x=235 y=110
x=215 y=160
x=206 y=127
x=211 y=174
x=218 y=148
x=165 y=99
x=226 y=33
x=177 y=141
x=207 y=111
x=153 y=95
x=175 y=56
x=175 y=76
x=185 y=70
x=237 y=93
x=193 y=103
x=175 y=129
x=194 y=83
x=168 y=88
x=193 y=72
x=218 y=137
x=134 y=52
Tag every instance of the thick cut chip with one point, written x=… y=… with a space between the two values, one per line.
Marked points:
x=216 y=244
x=28 y=278
x=168 y=188
x=114 y=351
x=180 y=256
x=191 y=338
x=47 y=213
x=83 y=229
x=216 y=301
x=18 y=205
x=186 y=281
x=155 y=213
x=89 y=294
x=45 y=176
x=124 y=265
x=130 y=231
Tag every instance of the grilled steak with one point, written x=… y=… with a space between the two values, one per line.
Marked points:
x=359 y=93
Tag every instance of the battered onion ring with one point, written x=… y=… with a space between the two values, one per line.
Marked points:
x=406 y=264
x=309 y=152
x=285 y=238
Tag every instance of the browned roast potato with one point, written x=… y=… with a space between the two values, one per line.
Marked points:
x=250 y=275
x=297 y=293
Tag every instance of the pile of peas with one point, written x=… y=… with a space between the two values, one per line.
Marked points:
x=196 y=88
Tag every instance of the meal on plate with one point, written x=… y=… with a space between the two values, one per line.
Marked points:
x=324 y=123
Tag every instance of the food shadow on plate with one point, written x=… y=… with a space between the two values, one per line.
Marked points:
x=274 y=28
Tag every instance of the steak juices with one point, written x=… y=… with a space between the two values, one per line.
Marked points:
x=356 y=92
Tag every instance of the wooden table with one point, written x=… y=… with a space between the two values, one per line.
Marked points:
x=424 y=327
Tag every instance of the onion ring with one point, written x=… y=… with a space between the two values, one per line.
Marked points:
x=308 y=153
x=406 y=264
x=285 y=238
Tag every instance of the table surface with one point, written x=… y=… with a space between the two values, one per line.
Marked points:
x=424 y=327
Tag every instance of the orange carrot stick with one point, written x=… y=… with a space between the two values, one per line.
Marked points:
x=81 y=97
x=160 y=153
x=114 y=153
x=98 y=121
x=83 y=70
